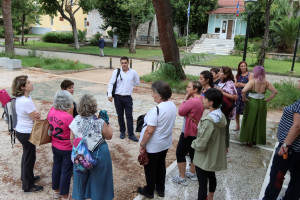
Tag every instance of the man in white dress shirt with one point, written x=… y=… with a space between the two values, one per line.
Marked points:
x=126 y=80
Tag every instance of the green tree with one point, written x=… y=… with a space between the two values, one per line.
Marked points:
x=198 y=14
x=67 y=9
x=167 y=38
x=265 y=41
x=24 y=12
x=140 y=11
x=8 y=28
x=115 y=17
x=286 y=33
x=125 y=16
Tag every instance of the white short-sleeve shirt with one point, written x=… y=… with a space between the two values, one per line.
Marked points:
x=164 y=122
x=24 y=106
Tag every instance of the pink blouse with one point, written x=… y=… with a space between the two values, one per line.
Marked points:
x=192 y=110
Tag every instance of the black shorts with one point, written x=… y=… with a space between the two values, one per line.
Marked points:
x=184 y=147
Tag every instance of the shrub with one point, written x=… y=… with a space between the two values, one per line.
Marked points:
x=95 y=39
x=82 y=35
x=288 y=93
x=181 y=42
x=110 y=33
x=1 y=32
x=65 y=38
x=239 y=42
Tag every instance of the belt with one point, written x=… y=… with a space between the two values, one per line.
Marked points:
x=122 y=95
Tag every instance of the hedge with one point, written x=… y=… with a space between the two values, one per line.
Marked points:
x=53 y=37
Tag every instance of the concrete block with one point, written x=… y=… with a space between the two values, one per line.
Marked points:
x=15 y=64
x=5 y=62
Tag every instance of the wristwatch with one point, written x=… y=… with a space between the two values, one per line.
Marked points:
x=286 y=146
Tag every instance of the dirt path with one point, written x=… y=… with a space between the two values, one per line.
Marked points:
x=128 y=174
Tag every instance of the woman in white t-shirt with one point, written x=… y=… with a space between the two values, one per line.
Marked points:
x=156 y=139
x=27 y=113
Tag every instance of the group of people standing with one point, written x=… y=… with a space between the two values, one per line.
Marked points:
x=205 y=132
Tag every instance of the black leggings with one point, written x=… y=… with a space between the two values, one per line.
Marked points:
x=184 y=147
x=27 y=162
x=204 y=176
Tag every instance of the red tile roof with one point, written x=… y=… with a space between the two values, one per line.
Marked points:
x=229 y=3
x=228 y=7
x=226 y=10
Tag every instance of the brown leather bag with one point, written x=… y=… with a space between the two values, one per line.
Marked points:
x=143 y=158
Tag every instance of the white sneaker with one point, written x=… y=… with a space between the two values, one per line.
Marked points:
x=191 y=176
x=179 y=180
x=227 y=155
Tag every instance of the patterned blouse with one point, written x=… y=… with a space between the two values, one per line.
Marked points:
x=229 y=87
x=90 y=128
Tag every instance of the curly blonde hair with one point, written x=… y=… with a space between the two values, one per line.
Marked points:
x=18 y=83
x=87 y=105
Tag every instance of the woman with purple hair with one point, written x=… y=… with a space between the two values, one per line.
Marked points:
x=253 y=130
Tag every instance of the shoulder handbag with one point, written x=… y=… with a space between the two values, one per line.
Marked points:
x=143 y=156
x=115 y=84
x=227 y=105
x=39 y=134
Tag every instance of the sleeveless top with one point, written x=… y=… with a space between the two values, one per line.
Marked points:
x=256 y=95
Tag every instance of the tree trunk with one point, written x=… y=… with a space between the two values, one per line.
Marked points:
x=291 y=2
x=166 y=35
x=264 y=44
x=133 y=30
x=72 y=20
x=8 y=28
x=74 y=29
x=149 y=31
x=22 y=29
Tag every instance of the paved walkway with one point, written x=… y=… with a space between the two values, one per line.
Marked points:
x=247 y=167
x=142 y=67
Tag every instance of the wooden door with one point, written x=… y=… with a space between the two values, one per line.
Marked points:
x=229 y=29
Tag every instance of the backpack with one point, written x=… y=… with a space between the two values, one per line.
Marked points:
x=81 y=156
x=10 y=117
x=140 y=122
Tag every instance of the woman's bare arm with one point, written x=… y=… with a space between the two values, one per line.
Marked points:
x=107 y=131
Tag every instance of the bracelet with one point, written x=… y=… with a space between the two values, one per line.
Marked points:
x=107 y=123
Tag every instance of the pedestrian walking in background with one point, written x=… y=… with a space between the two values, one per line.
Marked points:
x=101 y=45
x=191 y=109
x=125 y=79
x=156 y=139
x=241 y=79
x=96 y=183
x=59 y=121
x=253 y=130
x=287 y=155
x=27 y=114
x=210 y=145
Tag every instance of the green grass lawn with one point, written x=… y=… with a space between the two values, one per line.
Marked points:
x=108 y=51
x=274 y=66
x=50 y=63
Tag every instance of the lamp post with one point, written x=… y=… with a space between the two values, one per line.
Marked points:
x=295 y=50
x=247 y=28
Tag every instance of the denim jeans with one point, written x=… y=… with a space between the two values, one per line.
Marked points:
x=62 y=170
x=124 y=103
x=278 y=170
